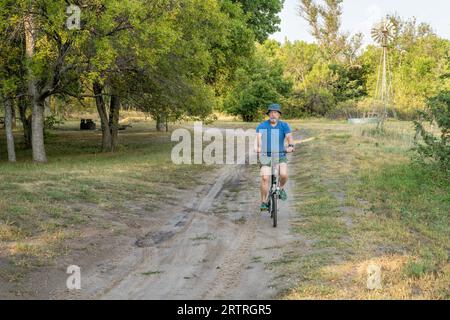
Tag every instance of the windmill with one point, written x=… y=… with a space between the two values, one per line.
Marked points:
x=383 y=33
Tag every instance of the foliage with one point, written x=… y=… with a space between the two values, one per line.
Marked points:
x=52 y=121
x=435 y=147
x=262 y=16
x=258 y=83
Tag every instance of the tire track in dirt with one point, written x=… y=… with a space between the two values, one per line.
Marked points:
x=178 y=254
x=217 y=246
x=235 y=260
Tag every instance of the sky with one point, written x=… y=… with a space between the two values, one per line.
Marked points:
x=360 y=15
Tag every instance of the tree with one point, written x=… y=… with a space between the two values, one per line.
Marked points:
x=163 y=85
x=418 y=62
x=212 y=41
x=298 y=59
x=433 y=147
x=319 y=85
x=262 y=16
x=325 y=22
x=8 y=83
x=231 y=44
x=12 y=70
x=37 y=99
x=258 y=84
x=318 y=98
x=9 y=131
x=124 y=38
x=350 y=82
x=333 y=74
x=47 y=60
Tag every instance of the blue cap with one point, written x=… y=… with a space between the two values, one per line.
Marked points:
x=274 y=107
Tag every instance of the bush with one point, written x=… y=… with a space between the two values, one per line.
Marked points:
x=315 y=102
x=344 y=110
x=355 y=108
x=51 y=122
x=432 y=147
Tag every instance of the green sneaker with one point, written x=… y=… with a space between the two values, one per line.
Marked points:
x=264 y=206
x=283 y=195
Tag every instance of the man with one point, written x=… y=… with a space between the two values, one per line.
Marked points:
x=271 y=136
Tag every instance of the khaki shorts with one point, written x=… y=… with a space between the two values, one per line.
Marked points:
x=265 y=164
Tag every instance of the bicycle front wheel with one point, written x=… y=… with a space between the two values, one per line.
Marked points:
x=274 y=212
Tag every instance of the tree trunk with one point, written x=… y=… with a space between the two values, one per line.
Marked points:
x=114 y=121
x=9 y=131
x=37 y=121
x=13 y=117
x=247 y=118
x=160 y=122
x=47 y=106
x=37 y=129
x=101 y=108
x=26 y=121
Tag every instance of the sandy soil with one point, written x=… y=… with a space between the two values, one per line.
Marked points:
x=215 y=244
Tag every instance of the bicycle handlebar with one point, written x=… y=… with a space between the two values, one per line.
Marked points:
x=276 y=152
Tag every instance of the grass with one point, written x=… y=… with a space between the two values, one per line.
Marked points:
x=361 y=201
x=207 y=236
x=151 y=273
x=81 y=189
x=241 y=220
x=256 y=259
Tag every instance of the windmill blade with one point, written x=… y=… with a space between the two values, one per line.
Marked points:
x=384 y=31
x=377 y=33
x=391 y=28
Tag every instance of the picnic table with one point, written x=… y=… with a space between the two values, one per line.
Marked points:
x=87 y=124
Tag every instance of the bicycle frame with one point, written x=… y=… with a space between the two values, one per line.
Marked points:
x=274 y=188
x=274 y=182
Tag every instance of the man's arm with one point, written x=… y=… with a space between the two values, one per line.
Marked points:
x=290 y=141
x=258 y=142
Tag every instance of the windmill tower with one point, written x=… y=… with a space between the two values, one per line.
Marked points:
x=383 y=33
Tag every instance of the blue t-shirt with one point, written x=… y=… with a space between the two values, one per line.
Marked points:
x=270 y=133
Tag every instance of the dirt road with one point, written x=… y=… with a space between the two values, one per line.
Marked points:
x=217 y=246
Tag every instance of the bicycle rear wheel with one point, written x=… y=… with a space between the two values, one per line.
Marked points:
x=269 y=203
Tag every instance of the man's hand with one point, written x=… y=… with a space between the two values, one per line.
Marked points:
x=290 y=148
x=290 y=140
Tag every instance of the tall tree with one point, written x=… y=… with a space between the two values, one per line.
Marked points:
x=258 y=83
x=213 y=41
x=325 y=23
x=9 y=79
x=298 y=59
x=46 y=59
x=123 y=37
x=37 y=100
x=9 y=131
x=263 y=16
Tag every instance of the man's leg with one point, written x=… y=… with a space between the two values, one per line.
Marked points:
x=283 y=179
x=265 y=176
x=283 y=174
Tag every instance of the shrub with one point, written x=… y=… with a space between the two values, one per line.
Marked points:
x=432 y=147
x=52 y=121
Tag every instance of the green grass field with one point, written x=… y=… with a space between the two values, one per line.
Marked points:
x=364 y=202
x=43 y=208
